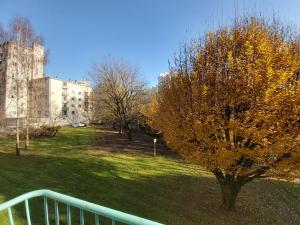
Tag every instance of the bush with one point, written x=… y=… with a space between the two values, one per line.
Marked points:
x=44 y=131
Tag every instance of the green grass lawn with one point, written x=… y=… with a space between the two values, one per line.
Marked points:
x=163 y=188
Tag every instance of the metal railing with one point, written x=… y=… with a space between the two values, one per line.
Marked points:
x=84 y=206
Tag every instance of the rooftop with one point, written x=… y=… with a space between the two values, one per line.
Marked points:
x=78 y=82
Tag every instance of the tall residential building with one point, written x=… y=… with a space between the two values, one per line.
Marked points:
x=16 y=65
x=24 y=88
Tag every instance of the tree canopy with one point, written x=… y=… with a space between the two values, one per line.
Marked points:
x=231 y=103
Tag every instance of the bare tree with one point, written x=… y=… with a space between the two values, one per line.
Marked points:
x=21 y=39
x=118 y=92
x=3 y=38
x=21 y=44
x=3 y=35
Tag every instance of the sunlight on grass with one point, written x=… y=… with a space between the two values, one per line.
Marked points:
x=161 y=188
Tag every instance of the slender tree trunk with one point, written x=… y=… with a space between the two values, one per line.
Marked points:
x=127 y=126
x=18 y=127
x=129 y=134
x=121 y=129
x=27 y=138
x=27 y=116
x=17 y=136
x=27 y=124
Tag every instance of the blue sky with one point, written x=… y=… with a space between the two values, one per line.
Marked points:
x=144 y=32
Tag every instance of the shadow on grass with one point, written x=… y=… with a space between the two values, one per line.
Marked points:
x=171 y=199
x=112 y=141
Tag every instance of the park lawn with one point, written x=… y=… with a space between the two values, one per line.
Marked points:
x=162 y=188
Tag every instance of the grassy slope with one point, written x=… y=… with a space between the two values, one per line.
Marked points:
x=161 y=188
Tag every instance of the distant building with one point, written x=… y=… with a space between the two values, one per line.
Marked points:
x=51 y=100
x=59 y=101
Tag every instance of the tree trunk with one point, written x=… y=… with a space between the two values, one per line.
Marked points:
x=128 y=131
x=230 y=190
x=121 y=129
x=27 y=138
x=17 y=137
x=27 y=115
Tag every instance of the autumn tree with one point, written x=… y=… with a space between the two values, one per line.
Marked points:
x=118 y=93
x=231 y=103
x=148 y=110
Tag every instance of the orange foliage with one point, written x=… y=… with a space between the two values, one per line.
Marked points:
x=233 y=105
x=149 y=111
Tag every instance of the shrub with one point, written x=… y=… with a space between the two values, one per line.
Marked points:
x=44 y=131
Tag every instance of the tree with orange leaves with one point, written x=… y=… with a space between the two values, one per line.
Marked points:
x=232 y=104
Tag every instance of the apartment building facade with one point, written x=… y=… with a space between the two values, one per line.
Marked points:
x=25 y=89
x=60 y=102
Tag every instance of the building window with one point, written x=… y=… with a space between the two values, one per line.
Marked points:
x=79 y=106
x=73 y=105
x=65 y=112
x=73 y=112
x=79 y=99
x=12 y=96
x=73 y=98
x=79 y=93
x=46 y=113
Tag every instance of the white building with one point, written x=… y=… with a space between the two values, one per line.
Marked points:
x=61 y=102
x=49 y=99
